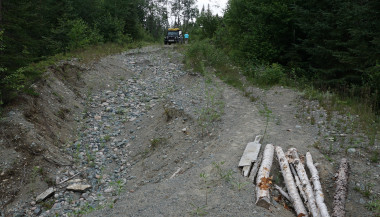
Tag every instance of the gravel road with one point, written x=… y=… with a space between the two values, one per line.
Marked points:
x=159 y=140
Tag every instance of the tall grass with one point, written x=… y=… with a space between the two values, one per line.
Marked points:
x=201 y=55
x=266 y=75
x=346 y=104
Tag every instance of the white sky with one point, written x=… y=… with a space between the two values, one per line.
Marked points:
x=216 y=6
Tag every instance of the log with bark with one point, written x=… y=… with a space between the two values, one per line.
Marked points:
x=289 y=182
x=263 y=179
x=298 y=182
x=319 y=197
x=282 y=192
x=297 y=179
x=301 y=172
x=341 y=189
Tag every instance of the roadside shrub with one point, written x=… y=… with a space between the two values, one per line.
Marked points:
x=11 y=84
x=374 y=83
x=81 y=35
x=111 y=28
x=195 y=56
x=203 y=53
x=269 y=75
x=144 y=35
x=126 y=39
x=2 y=69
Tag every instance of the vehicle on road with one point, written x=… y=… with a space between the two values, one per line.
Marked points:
x=174 y=35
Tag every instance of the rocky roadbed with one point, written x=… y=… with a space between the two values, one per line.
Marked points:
x=155 y=139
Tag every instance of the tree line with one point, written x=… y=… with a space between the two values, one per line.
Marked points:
x=333 y=44
x=33 y=30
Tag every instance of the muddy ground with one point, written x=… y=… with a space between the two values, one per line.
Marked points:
x=152 y=138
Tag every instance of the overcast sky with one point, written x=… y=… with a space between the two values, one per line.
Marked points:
x=217 y=6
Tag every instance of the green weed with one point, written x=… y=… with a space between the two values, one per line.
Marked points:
x=212 y=111
x=118 y=186
x=204 y=178
x=375 y=158
x=48 y=204
x=239 y=185
x=223 y=174
x=90 y=157
x=366 y=191
x=62 y=113
x=120 y=112
x=374 y=206
x=85 y=209
x=107 y=138
x=317 y=144
x=312 y=120
x=267 y=113
x=198 y=210
x=37 y=171
x=329 y=158
x=154 y=143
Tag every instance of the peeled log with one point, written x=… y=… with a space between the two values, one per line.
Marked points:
x=341 y=189
x=319 y=197
x=289 y=182
x=263 y=180
x=301 y=172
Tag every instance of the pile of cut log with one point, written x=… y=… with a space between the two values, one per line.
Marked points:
x=304 y=194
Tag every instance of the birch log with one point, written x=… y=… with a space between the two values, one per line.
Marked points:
x=289 y=182
x=296 y=178
x=263 y=180
x=319 y=197
x=282 y=192
x=305 y=183
x=341 y=189
x=255 y=168
x=298 y=183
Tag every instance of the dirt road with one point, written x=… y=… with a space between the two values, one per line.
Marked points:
x=156 y=139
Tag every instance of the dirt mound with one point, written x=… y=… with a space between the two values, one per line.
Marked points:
x=34 y=131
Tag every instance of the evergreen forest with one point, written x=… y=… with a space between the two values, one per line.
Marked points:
x=332 y=45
